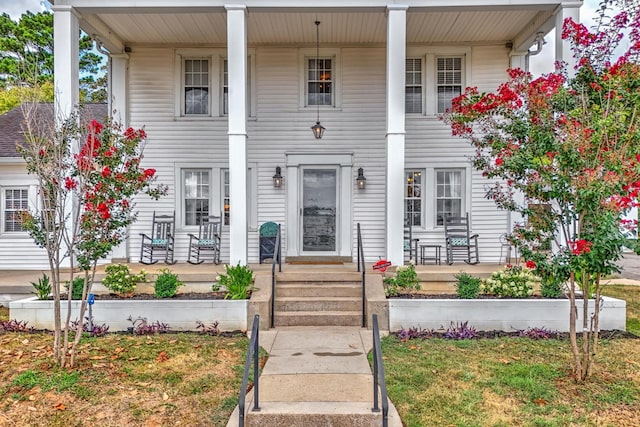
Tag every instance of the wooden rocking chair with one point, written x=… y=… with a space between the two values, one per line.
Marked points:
x=160 y=244
x=207 y=242
x=461 y=244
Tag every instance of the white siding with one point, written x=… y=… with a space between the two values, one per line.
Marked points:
x=18 y=251
x=281 y=125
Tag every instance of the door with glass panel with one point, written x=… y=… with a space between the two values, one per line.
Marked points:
x=319 y=210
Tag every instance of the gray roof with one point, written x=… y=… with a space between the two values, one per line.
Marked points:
x=12 y=123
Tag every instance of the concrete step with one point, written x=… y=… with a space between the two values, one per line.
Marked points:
x=319 y=276
x=316 y=414
x=291 y=304
x=300 y=289
x=318 y=318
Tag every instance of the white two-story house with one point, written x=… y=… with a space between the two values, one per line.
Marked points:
x=228 y=92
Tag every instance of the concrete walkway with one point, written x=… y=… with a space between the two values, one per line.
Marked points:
x=316 y=376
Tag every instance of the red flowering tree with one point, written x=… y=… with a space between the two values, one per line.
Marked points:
x=564 y=150
x=88 y=175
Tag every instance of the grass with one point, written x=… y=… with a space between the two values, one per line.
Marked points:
x=631 y=294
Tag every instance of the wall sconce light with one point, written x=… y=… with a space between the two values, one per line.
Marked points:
x=277 y=178
x=361 y=180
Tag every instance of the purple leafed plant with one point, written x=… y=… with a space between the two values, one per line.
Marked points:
x=460 y=331
x=212 y=329
x=93 y=330
x=538 y=333
x=142 y=327
x=414 y=333
x=14 y=326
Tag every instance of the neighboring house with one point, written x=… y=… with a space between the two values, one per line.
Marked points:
x=19 y=190
x=228 y=91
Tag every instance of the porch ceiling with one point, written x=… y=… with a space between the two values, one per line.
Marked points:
x=269 y=27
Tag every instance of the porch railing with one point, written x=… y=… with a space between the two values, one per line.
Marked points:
x=277 y=258
x=361 y=267
x=252 y=354
x=378 y=375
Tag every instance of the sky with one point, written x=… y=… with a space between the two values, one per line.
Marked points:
x=541 y=63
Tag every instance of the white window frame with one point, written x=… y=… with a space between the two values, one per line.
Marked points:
x=3 y=200
x=324 y=53
x=420 y=73
x=216 y=58
x=419 y=197
x=429 y=195
x=216 y=193
x=462 y=192
x=429 y=54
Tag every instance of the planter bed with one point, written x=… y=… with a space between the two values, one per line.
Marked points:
x=498 y=314
x=179 y=314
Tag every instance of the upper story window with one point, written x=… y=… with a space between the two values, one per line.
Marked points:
x=15 y=201
x=448 y=81
x=202 y=80
x=413 y=86
x=320 y=89
x=196 y=87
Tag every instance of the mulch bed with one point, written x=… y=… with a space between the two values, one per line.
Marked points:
x=179 y=296
x=454 y=296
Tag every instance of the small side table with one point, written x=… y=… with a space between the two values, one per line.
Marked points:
x=424 y=256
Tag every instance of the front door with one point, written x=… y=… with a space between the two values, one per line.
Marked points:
x=320 y=214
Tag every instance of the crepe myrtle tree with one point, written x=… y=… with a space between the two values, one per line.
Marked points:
x=87 y=175
x=564 y=152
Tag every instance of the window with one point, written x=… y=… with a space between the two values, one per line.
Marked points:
x=196 y=87
x=225 y=88
x=226 y=198
x=448 y=194
x=448 y=81
x=196 y=193
x=413 y=198
x=413 y=86
x=320 y=88
x=15 y=201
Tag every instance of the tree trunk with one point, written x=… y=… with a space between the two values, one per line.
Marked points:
x=577 y=364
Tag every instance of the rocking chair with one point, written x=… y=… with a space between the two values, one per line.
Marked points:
x=160 y=244
x=207 y=242
x=460 y=243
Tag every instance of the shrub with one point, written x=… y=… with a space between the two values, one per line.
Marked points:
x=467 y=286
x=76 y=287
x=238 y=281
x=551 y=288
x=405 y=280
x=119 y=279
x=512 y=282
x=42 y=287
x=142 y=327
x=166 y=284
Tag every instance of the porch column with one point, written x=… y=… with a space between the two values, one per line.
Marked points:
x=237 y=63
x=396 y=56
x=563 y=47
x=66 y=76
x=66 y=68
x=119 y=113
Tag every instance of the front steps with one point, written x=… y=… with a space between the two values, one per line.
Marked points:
x=318 y=299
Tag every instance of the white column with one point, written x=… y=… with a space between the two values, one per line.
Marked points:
x=237 y=63
x=563 y=47
x=396 y=56
x=119 y=113
x=66 y=71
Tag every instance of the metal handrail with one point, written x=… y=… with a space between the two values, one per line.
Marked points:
x=253 y=353
x=277 y=257
x=361 y=267
x=378 y=375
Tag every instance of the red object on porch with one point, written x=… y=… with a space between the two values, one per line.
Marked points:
x=381 y=265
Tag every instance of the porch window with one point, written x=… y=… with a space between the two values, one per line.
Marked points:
x=226 y=196
x=320 y=81
x=197 y=194
x=413 y=86
x=15 y=201
x=413 y=198
x=196 y=87
x=448 y=81
x=449 y=194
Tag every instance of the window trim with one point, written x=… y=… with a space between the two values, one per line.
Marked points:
x=429 y=73
x=3 y=213
x=332 y=53
x=429 y=196
x=216 y=59
x=216 y=193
